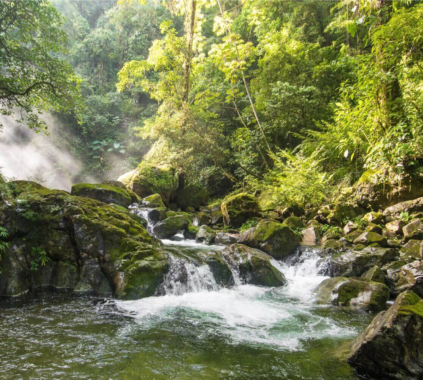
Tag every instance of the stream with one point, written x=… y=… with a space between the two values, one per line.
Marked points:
x=195 y=330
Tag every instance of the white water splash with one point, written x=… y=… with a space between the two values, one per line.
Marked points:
x=282 y=317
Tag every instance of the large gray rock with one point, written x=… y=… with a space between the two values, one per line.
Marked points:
x=391 y=347
x=206 y=235
x=271 y=237
x=411 y=207
x=413 y=230
x=311 y=234
x=368 y=238
x=406 y=276
x=355 y=293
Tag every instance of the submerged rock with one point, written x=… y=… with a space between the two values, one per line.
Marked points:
x=271 y=237
x=356 y=293
x=238 y=208
x=252 y=266
x=391 y=347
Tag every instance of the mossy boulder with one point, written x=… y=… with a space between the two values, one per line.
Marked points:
x=154 y=201
x=371 y=192
x=355 y=263
x=374 y=274
x=413 y=230
x=413 y=249
x=78 y=244
x=368 y=238
x=170 y=226
x=225 y=238
x=341 y=211
x=350 y=227
x=373 y=217
x=353 y=235
x=237 y=209
x=150 y=179
x=355 y=293
x=20 y=186
x=205 y=235
x=271 y=237
x=254 y=267
x=201 y=218
x=102 y=192
x=391 y=347
x=411 y=207
x=191 y=232
x=191 y=195
x=406 y=276
x=293 y=222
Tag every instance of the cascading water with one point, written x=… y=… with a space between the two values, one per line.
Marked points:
x=283 y=318
x=144 y=213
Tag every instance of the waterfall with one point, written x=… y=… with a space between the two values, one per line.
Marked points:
x=144 y=213
x=185 y=276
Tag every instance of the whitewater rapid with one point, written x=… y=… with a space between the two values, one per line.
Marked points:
x=283 y=317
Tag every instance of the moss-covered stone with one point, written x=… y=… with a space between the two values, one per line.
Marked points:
x=170 y=226
x=201 y=218
x=412 y=249
x=395 y=226
x=205 y=234
x=254 y=267
x=237 y=209
x=341 y=211
x=353 y=263
x=293 y=222
x=353 y=235
x=406 y=276
x=103 y=192
x=368 y=238
x=191 y=232
x=391 y=347
x=413 y=230
x=343 y=291
x=149 y=179
x=374 y=274
x=373 y=217
x=101 y=242
x=272 y=237
x=371 y=227
x=154 y=201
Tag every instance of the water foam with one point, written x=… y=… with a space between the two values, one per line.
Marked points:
x=283 y=318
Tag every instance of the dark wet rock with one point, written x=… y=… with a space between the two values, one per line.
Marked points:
x=355 y=293
x=355 y=263
x=237 y=209
x=391 y=347
x=191 y=195
x=271 y=237
x=170 y=226
x=254 y=266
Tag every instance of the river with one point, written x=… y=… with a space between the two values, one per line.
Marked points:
x=195 y=330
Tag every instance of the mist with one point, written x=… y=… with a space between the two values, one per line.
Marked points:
x=26 y=155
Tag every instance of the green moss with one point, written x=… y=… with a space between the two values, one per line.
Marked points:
x=103 y=192
x=239 y=208
x=411 y=303
x=154 y=201
x=293 y=222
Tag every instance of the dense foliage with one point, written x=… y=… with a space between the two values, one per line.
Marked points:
x=290 y=98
